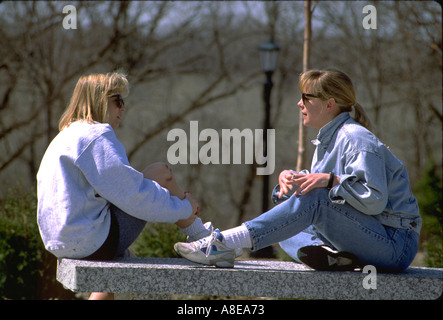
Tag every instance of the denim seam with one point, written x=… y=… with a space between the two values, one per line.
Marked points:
x=252 y=235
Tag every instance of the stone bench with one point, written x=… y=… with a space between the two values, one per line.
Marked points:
x=166 y=276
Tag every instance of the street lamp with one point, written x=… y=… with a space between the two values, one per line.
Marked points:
x=268 y=55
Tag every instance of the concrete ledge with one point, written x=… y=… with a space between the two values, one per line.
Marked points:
x=249 y=278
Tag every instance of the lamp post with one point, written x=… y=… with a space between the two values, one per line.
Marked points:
x=268 y=55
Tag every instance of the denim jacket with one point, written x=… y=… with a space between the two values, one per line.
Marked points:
x=372 y=179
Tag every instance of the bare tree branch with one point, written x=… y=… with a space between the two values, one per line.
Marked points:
x=201 y=101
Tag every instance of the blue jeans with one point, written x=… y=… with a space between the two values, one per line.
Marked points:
x=342 y=226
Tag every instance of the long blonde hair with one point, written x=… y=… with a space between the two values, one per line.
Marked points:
x=331 y=83
x=89 y=101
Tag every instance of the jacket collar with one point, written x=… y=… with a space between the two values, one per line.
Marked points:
x=328 y=130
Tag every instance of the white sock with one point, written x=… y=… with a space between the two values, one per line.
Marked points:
x=195 y=228
x=237 y=237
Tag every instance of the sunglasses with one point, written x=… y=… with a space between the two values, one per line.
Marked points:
x=305 y=97
x=119 y=100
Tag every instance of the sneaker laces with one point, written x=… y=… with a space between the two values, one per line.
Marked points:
x=211 y=240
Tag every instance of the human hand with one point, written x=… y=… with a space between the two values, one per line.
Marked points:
x=194 y=203
x=286 y=182
x=195 y=212
x=308 y=182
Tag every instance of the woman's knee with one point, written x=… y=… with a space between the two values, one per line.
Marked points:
x=159 y=172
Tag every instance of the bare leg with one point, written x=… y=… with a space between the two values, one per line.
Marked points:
x=162 y=174
x=101 y=296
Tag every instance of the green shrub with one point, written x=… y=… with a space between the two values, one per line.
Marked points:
x=429 y=195
x=27 y=270
x=157 y=240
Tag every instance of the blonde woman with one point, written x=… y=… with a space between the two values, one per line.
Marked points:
x=91 y=203
x=356 y=197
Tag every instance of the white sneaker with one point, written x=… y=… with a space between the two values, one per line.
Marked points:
x=206 y=233
x=211 y=250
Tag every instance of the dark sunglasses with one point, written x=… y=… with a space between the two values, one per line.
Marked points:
x=119 y=100
x=305 y=97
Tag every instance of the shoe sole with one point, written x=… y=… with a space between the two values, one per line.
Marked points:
x=321 y=259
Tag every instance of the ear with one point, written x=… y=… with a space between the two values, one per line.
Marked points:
x=331 y=106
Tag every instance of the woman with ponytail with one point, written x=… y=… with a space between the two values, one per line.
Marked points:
x=356 y=197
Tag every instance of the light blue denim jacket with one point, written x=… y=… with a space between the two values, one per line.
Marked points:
x=372 y=179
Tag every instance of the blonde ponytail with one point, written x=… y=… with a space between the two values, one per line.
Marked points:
x=361 y=117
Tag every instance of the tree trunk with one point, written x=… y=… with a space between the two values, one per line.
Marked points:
x=301 y=157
